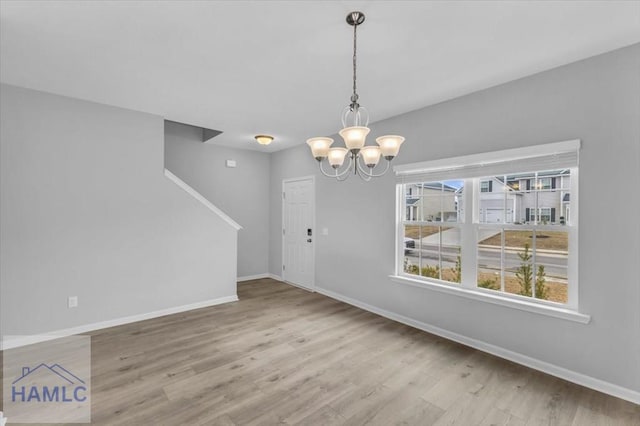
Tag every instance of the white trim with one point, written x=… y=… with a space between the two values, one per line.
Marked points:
x=400 y=215
x=574 y=245
x=43 y=337
x=195 y=194
x=310 y=290
x=259 y=276
x=252 y=277
x=496 y=299
x=489 y=157
x=536 y=364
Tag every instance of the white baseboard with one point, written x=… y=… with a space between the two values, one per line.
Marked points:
x=252 y=277
x=312 y=290
x=259 y=276
x=545 y=367
x=18 y=341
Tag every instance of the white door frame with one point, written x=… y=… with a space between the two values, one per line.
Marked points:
x=313 y=225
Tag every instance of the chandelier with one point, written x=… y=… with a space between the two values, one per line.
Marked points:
x=355 y=118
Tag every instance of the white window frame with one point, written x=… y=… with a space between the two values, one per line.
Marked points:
x=469 y=224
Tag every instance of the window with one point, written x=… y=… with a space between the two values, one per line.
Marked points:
x=520 y=244
x=431 y=234
x=544 y=215
x=521 y=248
x=544 y=183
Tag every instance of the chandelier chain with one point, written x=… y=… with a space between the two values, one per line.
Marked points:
x=354 y=97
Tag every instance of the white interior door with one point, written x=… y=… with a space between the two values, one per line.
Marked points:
x=298 y=232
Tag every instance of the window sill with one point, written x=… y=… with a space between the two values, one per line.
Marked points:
x=496 y=299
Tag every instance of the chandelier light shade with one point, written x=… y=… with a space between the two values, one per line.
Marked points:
x=390 y=145
x=370 y=155
x=320 y=147
x=363 y=159
x=336 y=156
x=354 y=137
x=264 y=139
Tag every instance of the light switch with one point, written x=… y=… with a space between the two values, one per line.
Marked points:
x=72 y=302
x=231 y=163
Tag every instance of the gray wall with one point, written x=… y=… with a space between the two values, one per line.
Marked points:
x=86 y=211
x=241 y=192
x=596 y=100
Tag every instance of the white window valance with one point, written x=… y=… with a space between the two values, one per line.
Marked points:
x=550 y=156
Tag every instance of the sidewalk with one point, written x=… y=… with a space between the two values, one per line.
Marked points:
x=451 y=237
x=521 y=249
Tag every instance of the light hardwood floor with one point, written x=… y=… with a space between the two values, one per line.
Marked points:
x=282 y=355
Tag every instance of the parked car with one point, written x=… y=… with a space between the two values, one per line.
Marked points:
x=409 y=245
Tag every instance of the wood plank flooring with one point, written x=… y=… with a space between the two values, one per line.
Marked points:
x=282 y=355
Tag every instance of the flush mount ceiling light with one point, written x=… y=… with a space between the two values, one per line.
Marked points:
x=264 y=139
x=355 y=118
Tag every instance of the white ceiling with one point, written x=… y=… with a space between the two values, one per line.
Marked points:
x=284 y=67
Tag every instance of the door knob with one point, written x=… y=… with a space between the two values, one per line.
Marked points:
x=308 y=240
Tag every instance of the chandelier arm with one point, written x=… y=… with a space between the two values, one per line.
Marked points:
x=342 y=179
x=336 y=175
x=347 y=171
x=359 y=170
x=322 y=170
x=370 y=172
x=364 y=176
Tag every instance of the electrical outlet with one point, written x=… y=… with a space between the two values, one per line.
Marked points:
x=72 y=302
x=325 y=231
x=231 y=163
